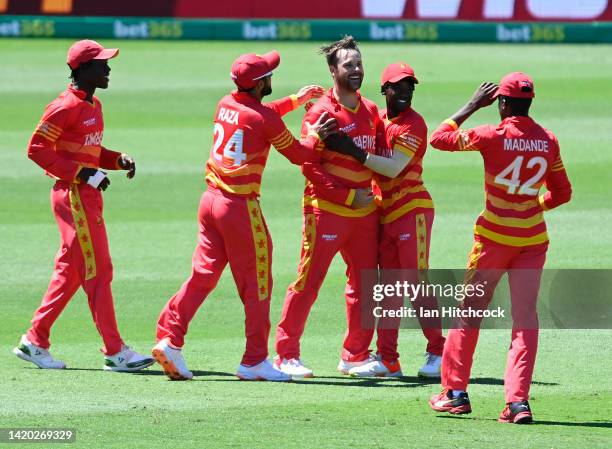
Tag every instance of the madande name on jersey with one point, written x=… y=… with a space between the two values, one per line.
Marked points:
x=531 y=145
x=228 y=116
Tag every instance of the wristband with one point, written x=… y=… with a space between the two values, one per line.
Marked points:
x=96 y=179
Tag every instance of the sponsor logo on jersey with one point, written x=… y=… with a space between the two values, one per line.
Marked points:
x=94 y=138
x=228 y=116
x=529 y=145
x=404 y=237
x=329 y=237
x=90 y=121
x=348 y=128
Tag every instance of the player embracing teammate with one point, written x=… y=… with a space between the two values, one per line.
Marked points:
x=232 y=227
x=406 y=216
x=340 y=216
x=337 y=216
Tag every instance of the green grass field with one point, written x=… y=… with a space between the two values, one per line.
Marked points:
x=159 y=109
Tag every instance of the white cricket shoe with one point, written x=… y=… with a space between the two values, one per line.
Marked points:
x=40 y=357
x=432 y=366
x=345 y=366
x=293 y=368
x=127 y=361
x=377 y=368
x=262 y=371
x=171 y=360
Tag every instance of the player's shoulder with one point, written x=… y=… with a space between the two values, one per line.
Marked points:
x=488 y=130
x=545 y=131
x=62 y=104
x=410 y=122
x=323 y=104
x=229 y=101
x=416 y=117
x=370 y=105
x=235 y=109
x=416 y=120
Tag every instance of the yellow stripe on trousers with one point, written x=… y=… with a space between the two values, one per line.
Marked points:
x=82 y=231
x=260 y=241
x=308 y=243
x=473 y=258
x=421 y=235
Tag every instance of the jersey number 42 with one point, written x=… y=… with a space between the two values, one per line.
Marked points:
x=510 y=176
x=231 y=155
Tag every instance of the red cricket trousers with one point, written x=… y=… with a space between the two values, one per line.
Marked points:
x=488 y=261
x=324 y=235
x=82 y=260
x=404 y=244
x=232 y=229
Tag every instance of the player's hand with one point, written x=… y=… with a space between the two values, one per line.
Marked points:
x=324 y=126
x=307 y=93
x=127 y=162
x=94 y=177
x=343 y=144
x=484 y=95
x=308 y=105
x=363 y=198
x=340 y=143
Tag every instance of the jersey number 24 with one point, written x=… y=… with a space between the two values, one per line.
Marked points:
x=231 y=155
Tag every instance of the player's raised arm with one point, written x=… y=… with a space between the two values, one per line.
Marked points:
x=449 y=137
x=294 y=101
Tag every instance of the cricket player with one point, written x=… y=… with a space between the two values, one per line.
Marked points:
x=331 y=223
x=407 y=214
x=510 y=235
x=232 y=227
x=67 y=144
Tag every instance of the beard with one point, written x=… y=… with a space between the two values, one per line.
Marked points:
x=348 y=84
x=266 y=91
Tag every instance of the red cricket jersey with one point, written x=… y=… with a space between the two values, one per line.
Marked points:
x=405 y=193
x=69 y=136
x=244 y=130
x=335 y=172
x=519 y=157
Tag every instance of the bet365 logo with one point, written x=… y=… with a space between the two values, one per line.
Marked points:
x=94 y=138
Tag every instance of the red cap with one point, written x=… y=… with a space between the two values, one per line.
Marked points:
x=249 y=68
x=516 y=85
x=395 y=72
x=86 y=50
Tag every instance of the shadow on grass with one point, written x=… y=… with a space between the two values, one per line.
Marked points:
x=157 y=372
x=494 y=381
x=536 y=422
x=404 y=381
x=341 y=381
